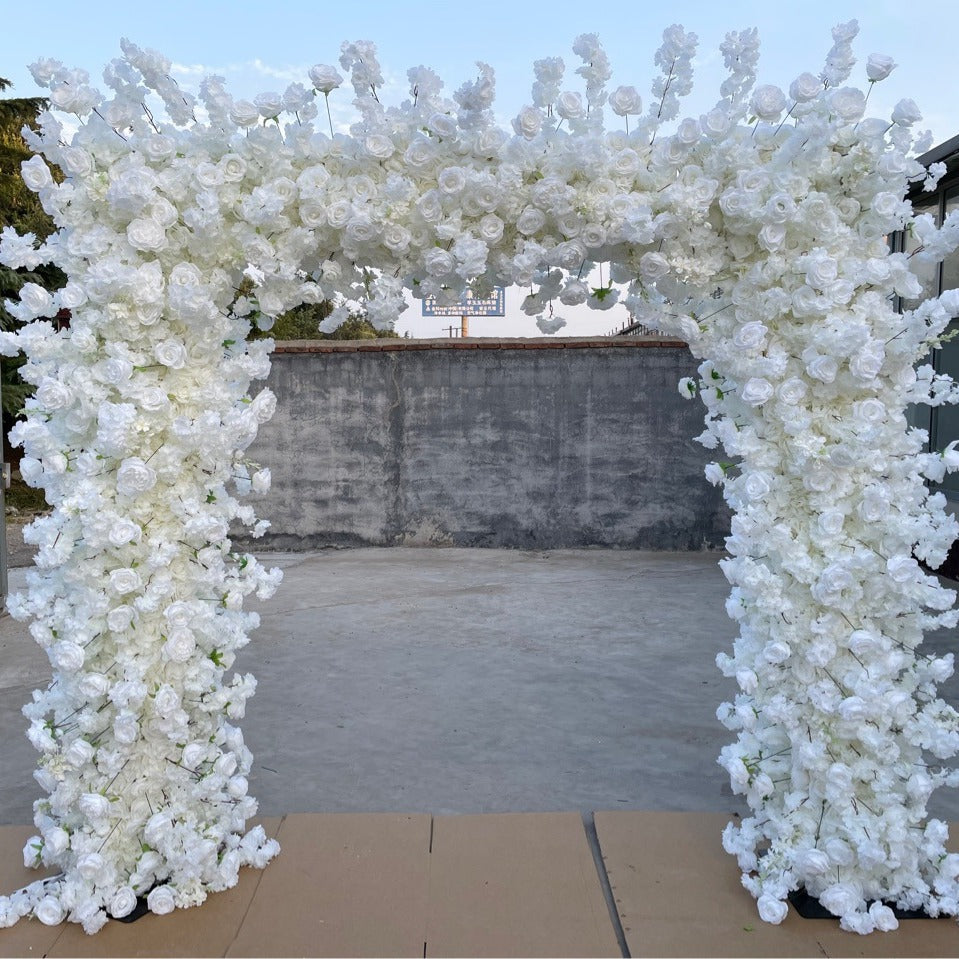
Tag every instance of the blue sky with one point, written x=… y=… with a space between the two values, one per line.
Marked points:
x=266 y=45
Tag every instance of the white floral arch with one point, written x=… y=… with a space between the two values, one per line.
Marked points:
x=756 y=232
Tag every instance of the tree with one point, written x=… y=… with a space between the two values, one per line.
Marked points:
x=19 y=208
x=302 y=323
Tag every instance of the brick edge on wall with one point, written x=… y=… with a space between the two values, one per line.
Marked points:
x=476 y=343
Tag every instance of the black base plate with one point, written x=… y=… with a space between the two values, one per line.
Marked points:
x=139 y=911
x=810 y=908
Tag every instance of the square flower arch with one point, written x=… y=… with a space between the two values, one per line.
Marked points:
x=757 y=232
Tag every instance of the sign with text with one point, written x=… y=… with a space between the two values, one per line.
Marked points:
x=469 y=305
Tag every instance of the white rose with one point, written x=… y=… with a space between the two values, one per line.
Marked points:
x=419 y=153
x=36 y=174
x=71 y=296
x=67 y=656
x=49 y=911
x=91 y=866
x=870 y=412
x=756 y=391
x=847 y=103
x=31 y=852
x=569 y=105
x=822 y=368
x=53 y=395
x=79 y=753
x=841 y=898
x=126 y=729
x=831 y=522
x=171 y=353
x=135 y=477
x=791 y=391
x=438 y=262
x=76 y=161
x=244 y=114
x=805 y=87
x=194 y=754
x=530 y=221
x=575 y=292
x=772 y=910
x=147 y=235
x=166 y=701
x=115 y=370
x=56 y=840
x=776 y=652
x=124 y=531
x=36 y=299
x=269 y=104
x=125 y=580
x=93 y=685
x=160 y=900
x=451 y=181
x=906 y=113
x=178 y=614
x=490 y=228
x=528 y=123
x=325 y=78
x=813 y=862
x=157 y=147
x=180 y=645
x=867 y=363
x=768 y=102
x=593 y=235
x=232 y=168
x=238 y=786
x=261 y=481
x=821 y=271
x=714 y=473
x=626 y=101
x=688 y=132
x=94 y=806
x=883 y=917
x=379 y=146
x=442 y=124
x=653 y=266
x=124 y=901
x=750 y=336
x=396 y=237
x=716 y=123
x=757 y=485
x=879 y=66
x=902 y=569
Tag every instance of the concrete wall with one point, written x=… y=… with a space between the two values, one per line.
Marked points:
x=533 y=444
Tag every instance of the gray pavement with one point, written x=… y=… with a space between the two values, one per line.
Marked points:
x=469 y=680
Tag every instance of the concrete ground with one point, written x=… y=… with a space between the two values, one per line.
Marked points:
x=469 y=680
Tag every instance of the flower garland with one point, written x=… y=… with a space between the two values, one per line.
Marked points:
x=756 y=232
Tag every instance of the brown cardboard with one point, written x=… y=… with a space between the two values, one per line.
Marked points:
x=516 y=885
x=206 y=931
x=345 y=885
x=678 y=894
x=29 y=937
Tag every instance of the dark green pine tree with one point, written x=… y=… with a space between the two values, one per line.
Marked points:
x=21 y=209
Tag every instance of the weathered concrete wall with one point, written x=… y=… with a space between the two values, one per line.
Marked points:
x=531 y=444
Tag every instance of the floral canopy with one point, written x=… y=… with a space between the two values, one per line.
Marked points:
x=757 y=232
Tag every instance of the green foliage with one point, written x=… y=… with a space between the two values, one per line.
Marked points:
x=302 y=323
x=21 y=209
x=23 y=498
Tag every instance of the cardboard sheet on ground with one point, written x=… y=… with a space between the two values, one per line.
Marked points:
x=678 y=894
x=516 y=884
x=345 y=884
